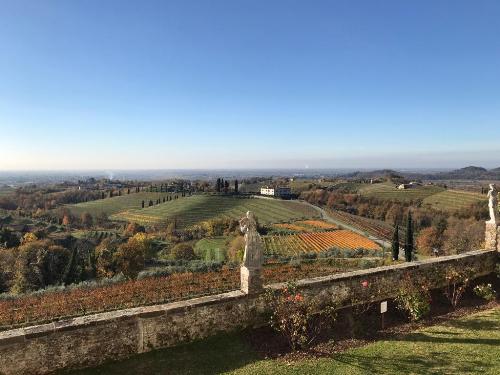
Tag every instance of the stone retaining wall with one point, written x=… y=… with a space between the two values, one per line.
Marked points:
x=94 y=339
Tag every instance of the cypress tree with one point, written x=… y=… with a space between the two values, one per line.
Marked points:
x=142 y=204
x=409 y=239
x=236 y=186
x=395 y=243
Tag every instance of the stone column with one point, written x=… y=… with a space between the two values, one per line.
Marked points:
x=251 y=280
x=492 y=240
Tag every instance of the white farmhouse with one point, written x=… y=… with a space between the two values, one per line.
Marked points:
x=280 y=192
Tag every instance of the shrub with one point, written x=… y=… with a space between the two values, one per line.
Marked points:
x=457 y=282
x=297 y=317
x=104 y=257
x=485 y=291
x=183 y=251
x=414 y=297
x=236 y=249
x=39 y=263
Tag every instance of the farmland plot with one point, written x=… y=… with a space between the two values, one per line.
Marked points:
x=117 y=204
x=199 y=208
x=296 y=244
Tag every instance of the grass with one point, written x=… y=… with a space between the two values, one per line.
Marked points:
x=114 y=205
x=5 y=191
x=390 y=192
x=211 y=249
x=198 y=208
x=463 y=346
x=453 y=200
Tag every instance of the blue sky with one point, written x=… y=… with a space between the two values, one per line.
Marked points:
x=250 y=84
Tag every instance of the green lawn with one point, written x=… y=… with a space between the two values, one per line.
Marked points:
x=198 y=208
x=465 y=346
x=211 y=249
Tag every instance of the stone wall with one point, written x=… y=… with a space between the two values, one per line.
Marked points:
x=94 y=339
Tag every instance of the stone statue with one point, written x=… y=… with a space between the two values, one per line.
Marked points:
x=493 y=205
x=254 y=249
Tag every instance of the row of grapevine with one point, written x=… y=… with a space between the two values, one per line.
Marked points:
x=316 y=242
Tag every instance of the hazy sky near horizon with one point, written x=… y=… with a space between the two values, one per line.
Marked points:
x=249 y=84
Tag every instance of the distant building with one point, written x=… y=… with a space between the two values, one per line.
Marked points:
x=266 y=190
x=280 y=192
x=411 y=185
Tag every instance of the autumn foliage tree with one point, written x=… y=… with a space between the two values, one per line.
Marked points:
x=428 y=240
x=87 y=220
x=39 y=263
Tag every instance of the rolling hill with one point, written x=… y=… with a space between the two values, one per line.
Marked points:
x=197 y=208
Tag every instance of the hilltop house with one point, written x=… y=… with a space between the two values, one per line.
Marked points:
x=280 y=192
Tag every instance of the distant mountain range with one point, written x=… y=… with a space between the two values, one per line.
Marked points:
x=467 y=173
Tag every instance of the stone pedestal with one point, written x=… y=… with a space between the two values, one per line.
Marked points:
x=492 y=240
x=251 y=280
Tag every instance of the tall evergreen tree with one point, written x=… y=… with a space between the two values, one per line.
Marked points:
x=226 y=186
x=395 y=243
x=217 y=186
x=409 y=239
x=236 y=186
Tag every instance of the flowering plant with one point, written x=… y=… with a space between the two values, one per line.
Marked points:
x=297 y=317
x=457 y=282
x=485 y=291
x=414 y=297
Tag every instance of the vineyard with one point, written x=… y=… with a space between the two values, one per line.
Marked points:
x=290 y=272
x=198 y=208
x=296 y=244
x=451 y=200
x=306 y=226
x=117 y=204
x=376 y=228
x=434 y=196
x=318 y=224
x=388 y=191
x=55 y=305
x=81 y=301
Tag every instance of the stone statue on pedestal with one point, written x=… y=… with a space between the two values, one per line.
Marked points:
x=493 y=205
x=254 y=249
x=492 y=240
x=251 y=280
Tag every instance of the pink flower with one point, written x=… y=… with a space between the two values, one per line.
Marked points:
x=364 y=284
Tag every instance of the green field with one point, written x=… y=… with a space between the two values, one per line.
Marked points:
x=464 y=346
x=211 y=249
x=197 y=208
x=453 y=199
x=434 y=196
x=114 y=205
x=6 y=191
x=390 y=192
